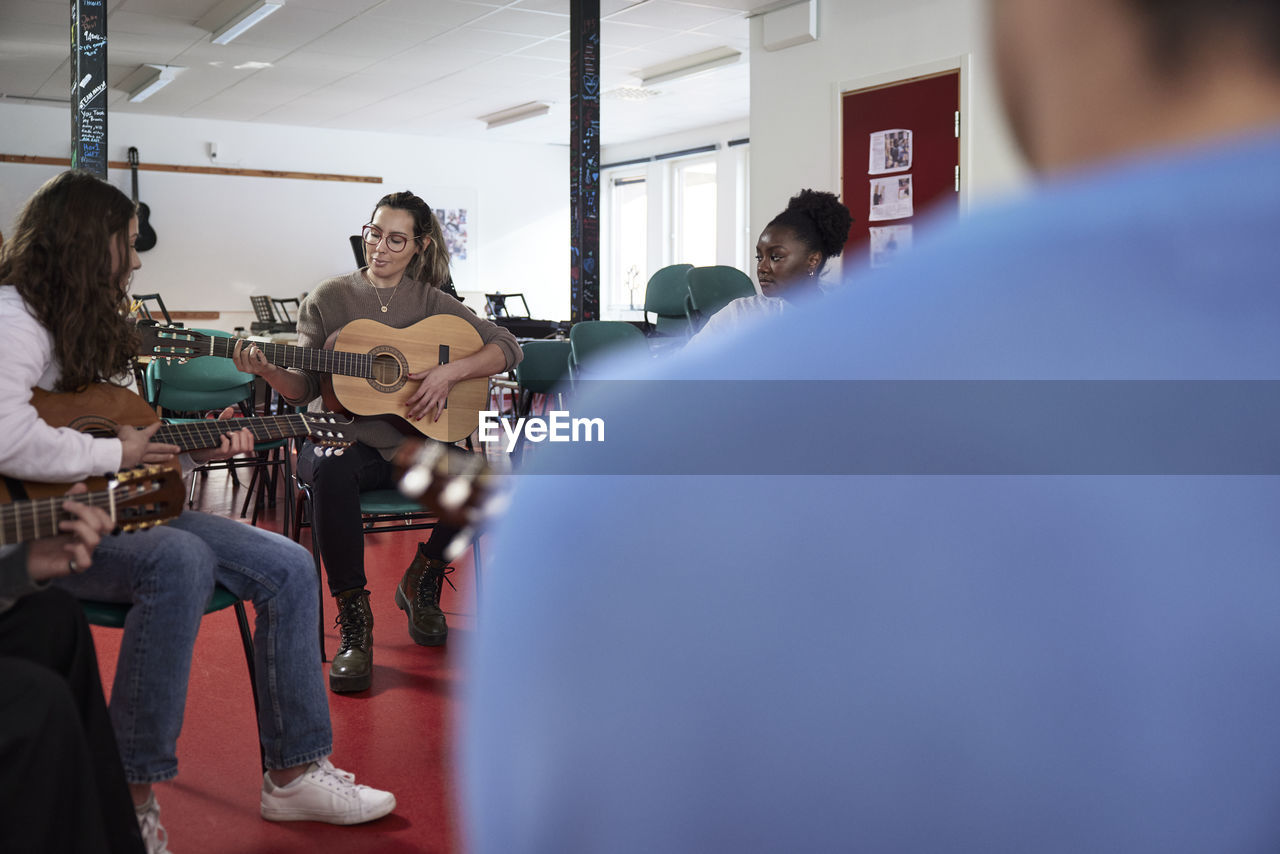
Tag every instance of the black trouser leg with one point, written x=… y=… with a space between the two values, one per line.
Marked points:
x=336 y=483
x=48 y=630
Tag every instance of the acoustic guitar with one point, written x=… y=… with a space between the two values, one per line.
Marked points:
x=146 y=234
x=134 y=499
x=102 y=408
x=369 y=364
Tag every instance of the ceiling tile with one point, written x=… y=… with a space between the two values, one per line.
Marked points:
x=486 y=40
x=439 y=15
x=676 y=16
x=543 y=24
x=371 y=36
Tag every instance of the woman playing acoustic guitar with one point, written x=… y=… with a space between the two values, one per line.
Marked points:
x=400 y=286
x=64 y=278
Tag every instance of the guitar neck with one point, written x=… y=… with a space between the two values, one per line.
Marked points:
x=30 y=520
x=306 y=358
x=209 y=432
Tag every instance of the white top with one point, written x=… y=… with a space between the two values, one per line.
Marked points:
x=740 y=314
x=33 y=450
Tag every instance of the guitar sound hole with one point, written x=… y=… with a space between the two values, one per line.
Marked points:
x=387 y=372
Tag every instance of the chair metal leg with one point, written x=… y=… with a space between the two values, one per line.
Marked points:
x=475 y=566
x=246 y=638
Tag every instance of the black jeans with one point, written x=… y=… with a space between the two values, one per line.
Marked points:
x=336 y=483
x=62 y=786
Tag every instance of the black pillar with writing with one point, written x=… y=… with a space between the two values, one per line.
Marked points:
x=584 y=159
x=89 y=86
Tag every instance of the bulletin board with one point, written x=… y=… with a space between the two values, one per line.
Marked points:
x=900 y=157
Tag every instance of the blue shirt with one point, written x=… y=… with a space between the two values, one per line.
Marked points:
x=1087 y=659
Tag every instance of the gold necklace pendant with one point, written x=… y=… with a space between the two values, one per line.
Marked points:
x=378 y=296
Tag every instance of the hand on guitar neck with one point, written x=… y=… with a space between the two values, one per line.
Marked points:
x=136 y=447
x=53 y=557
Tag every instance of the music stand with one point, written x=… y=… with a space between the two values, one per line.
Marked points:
x=496 y=305
x=145 y=312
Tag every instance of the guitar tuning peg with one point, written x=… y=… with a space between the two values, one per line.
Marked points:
x=416 y=481
x=455 y=494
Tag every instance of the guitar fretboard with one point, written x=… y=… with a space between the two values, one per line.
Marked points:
x=209 y=432
x=29 y=520
x=306 y=358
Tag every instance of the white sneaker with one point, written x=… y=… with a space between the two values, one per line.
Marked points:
x=324 y=793
x=154 y=836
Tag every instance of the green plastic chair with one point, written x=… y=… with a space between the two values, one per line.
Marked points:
x=590 y=339
x=664 y=296
x=209 y=384
x=543 y=368
x=711 y=289
x=113 y=614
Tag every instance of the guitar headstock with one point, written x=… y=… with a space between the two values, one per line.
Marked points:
x=324 y=429
x=456 y=485
x=146 y=496
x=171 y=343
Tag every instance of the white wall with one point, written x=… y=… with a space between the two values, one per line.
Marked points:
x=795 y=94
x=222 y=238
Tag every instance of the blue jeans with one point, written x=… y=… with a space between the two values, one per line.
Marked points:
x=168 y=573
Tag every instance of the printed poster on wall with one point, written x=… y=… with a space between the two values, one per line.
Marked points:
x=890 y=151
x=888 y=242
x=891 y=198
x=456 y=208
x=453 y=221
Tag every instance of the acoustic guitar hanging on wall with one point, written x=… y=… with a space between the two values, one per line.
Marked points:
x=146 y=234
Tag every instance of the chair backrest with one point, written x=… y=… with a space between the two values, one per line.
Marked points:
x=590 y=339
x=544 y=365
x=664 y=296
x=197 y=385
x=712 y=288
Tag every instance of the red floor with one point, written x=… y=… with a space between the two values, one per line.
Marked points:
x=395 y=736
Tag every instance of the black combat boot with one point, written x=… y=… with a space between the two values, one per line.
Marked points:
x=352 y=667
x=418 y=595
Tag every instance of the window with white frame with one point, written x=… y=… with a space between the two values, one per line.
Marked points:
x=629 y=240
x=671 y=210
x=695 y=212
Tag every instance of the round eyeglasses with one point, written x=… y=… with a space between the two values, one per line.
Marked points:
x=395 y=241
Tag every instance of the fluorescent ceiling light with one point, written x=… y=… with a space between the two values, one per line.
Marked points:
x=160 y=77
x=243 y=21
x=688 y=65
x=515 y=114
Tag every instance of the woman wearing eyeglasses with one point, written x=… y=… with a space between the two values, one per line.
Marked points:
x=407 y=262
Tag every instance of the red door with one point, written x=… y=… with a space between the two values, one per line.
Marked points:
x=900 y=160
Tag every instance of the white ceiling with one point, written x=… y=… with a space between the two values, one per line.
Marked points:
x=428 y=67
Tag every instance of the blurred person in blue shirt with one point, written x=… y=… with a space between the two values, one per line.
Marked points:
x=911 y=627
